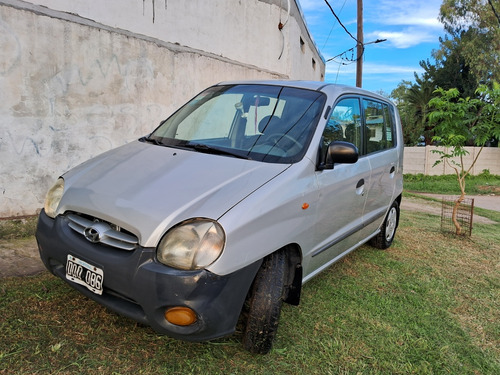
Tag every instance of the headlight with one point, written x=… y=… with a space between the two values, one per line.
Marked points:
x=53 y=198
x=194 y=244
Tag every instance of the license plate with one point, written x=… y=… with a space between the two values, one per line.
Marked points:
x=85 y=274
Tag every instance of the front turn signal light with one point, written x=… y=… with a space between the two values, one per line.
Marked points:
x=180 y=316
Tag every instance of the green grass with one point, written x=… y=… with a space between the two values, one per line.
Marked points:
x=18 y=228
x=484 y=183
x=428 y=305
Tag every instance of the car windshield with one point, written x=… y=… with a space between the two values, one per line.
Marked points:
x=259 y=122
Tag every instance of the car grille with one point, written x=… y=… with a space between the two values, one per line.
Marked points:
x=100 y=231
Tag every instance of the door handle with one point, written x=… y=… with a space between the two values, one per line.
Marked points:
x=392 y=172
x=360 y=187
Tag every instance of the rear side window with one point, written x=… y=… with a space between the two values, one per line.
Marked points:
x=379 y=129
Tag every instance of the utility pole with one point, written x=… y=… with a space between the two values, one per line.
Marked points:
x=359 y=46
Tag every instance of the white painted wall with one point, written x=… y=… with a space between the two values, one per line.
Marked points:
x=241 y=30
x=77 y=79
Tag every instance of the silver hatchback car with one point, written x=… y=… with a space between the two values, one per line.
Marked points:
x=234 y=202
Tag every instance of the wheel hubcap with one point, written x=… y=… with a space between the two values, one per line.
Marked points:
x=390 y=226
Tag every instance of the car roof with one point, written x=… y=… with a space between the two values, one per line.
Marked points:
x=328 y=88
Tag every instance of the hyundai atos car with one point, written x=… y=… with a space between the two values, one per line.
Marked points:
x=231 y=204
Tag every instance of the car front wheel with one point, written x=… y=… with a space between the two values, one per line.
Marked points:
x=264 y=304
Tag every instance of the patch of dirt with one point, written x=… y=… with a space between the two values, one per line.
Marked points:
x=434 y=208
x=19 y=257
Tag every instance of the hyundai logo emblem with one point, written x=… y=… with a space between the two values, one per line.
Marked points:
x=92 y=234
x=96 y=232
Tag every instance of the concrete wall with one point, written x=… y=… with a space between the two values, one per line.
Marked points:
x=241 y=30
x=421 y=159
x=79 y=78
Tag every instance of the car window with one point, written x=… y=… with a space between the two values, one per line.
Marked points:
x=212 y=120
x=344 y=123
x=378 y=126
x=259 y=122
x=257 y=113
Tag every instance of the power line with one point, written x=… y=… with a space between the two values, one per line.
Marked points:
x=340 y=22
x=352 y=50
x=350 y=60
x=333 y=26
x=360 y=45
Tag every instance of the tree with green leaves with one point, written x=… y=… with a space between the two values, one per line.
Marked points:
x=411 y=126
x=452 y=70
x=474 y=33
x=459 y=120
x=412 y=100
x=468 y=57
x=418 y=96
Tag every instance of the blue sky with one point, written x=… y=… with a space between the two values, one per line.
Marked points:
x=411 y=27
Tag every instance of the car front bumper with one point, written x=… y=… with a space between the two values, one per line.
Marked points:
x=136 y=285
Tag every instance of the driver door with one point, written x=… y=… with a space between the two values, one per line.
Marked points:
x=341 y=192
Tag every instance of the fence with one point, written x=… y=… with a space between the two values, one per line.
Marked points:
x=421 y=160
x=464 y=215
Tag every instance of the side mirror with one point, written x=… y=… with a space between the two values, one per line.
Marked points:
x=339 y=152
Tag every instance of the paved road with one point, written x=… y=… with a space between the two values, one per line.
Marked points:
x=20 y=257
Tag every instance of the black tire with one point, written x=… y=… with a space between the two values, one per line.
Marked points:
x=384 y=239
x=264 y=304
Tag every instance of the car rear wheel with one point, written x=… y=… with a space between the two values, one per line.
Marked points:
x=384 y=239
x=264 y=304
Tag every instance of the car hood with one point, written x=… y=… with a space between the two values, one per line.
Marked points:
x=146 y=188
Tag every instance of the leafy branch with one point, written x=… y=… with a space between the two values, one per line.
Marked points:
x=459 y=121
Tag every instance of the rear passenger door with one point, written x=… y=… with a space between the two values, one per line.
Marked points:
x=380 y=150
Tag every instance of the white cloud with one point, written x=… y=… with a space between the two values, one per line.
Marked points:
x=405 y=12
x=404 y=23
x=404 y=38
x=387 y=12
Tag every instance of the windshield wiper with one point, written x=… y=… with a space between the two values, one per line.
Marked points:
x=214 y=150
x=194 y=146
x=154 y=141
